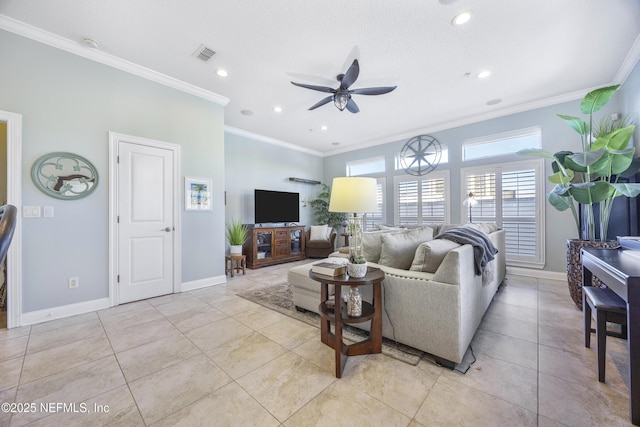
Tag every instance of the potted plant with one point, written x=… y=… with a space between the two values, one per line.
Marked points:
x=357 y=266
x=590 y=178
x=237 y=234
x=321 y=209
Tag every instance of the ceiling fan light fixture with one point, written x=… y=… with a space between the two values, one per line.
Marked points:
x=340 y=100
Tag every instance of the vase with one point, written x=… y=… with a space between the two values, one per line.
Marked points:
x=236 y=250
x=574 y=265
x=354 y=302
x=357 y=270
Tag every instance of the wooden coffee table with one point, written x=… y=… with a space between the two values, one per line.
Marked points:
x=337 y=314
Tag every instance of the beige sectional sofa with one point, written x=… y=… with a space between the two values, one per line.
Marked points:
x=436 y=303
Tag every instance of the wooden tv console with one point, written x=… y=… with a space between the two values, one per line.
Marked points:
x=274 y=245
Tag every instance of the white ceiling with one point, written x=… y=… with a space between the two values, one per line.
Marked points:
x=539 y=52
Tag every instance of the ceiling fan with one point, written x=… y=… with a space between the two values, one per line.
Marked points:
x=341 y=96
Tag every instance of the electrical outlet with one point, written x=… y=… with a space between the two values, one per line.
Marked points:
x=74 y=282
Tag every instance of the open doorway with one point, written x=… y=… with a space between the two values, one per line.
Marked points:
x=11 y=183
x=3 y=201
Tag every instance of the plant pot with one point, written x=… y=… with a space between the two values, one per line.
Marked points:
x=574 y=265
x=357 y=270
x=236 y=250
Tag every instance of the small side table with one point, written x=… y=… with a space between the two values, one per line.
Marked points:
x=338 y=315
x=346 y=238
x=235 y=262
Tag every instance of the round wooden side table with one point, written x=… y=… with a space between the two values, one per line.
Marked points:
x=337 y=313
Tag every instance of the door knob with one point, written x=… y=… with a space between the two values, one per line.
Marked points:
x=168 y=229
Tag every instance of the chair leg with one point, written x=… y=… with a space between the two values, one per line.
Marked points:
x=586 y=312
x=601 y=336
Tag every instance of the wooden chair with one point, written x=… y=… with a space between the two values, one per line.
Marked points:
x=607 y=306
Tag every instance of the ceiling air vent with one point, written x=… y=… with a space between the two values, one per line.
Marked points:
x=204 y=53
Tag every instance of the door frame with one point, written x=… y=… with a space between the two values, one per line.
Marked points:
x=114 y=245
x=14 y=197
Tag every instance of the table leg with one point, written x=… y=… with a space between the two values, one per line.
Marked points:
x=376 y=322
x=340 y=348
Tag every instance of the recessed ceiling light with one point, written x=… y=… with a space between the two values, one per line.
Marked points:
x=335 y=143
x=222 y=72
x=277 y=109
x=93 y=44
x=246 y=112
x=494 y=101
x=483 y=74
x=323 y=127
x=461 y=18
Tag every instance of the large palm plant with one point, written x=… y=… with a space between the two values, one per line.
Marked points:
x=591 y=177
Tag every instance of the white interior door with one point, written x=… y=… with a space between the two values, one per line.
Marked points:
x=146 y=238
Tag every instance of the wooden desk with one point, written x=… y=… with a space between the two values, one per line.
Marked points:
x=619 y=269
x=338 y=315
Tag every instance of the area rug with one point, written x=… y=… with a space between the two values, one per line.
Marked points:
x=279 y=297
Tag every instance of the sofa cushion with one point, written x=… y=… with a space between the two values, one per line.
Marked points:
x=485 y=227
x=398 y=249
x=372 y=243
x=430 y=255
x=319 y=232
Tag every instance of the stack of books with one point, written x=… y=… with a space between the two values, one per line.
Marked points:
x=329 y=269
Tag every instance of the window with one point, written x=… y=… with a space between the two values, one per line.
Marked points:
x=511 y=195
x=420 y=200
x=366 y=166
x=378 y=217
x=501 y=144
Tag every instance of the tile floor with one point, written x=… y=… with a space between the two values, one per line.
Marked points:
x=211 y=358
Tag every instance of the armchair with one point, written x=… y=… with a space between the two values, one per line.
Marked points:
x=320 y=248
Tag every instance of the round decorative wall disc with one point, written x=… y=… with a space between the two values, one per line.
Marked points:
x=420 y=155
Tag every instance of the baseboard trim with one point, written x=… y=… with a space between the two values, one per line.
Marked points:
x=53 y=313
x=202 y=283
x=540 y=274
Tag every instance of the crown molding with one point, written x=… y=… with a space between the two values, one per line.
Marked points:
x=76 y=48
x=273 y=141
x=629 y=62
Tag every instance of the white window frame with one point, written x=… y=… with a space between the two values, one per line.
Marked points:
x=444 y=175
x=363 y=162
x=538 y=166
x=504 y=136
x=381 y=183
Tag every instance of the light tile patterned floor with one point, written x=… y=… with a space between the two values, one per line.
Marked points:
x=211 y=358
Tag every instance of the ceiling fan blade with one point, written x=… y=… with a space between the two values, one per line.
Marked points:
x=321 y=103
x=312 y=87
x=373 y=90
x=351 y=75
x=352 y=106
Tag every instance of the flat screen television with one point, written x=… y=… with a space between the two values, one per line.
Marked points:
x=276 y=206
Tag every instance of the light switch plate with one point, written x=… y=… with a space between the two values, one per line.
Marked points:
x=31 y=211
x=48 y=212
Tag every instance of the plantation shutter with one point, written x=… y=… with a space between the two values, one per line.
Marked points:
x=377 y=217
x=519 y=211
x=422 y=200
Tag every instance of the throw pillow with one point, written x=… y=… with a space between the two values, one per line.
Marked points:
x=398 y=250
x=372 y=243
x=430 y=255
x=485 y=227
x=318 y=232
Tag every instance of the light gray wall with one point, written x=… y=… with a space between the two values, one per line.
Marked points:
x=69 y=103
x=556 y=135
x=251 y=164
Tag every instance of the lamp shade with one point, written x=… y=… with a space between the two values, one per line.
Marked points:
x=470 y=200
x=353 y=195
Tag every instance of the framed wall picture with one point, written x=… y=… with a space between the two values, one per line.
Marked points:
x=197 y=194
